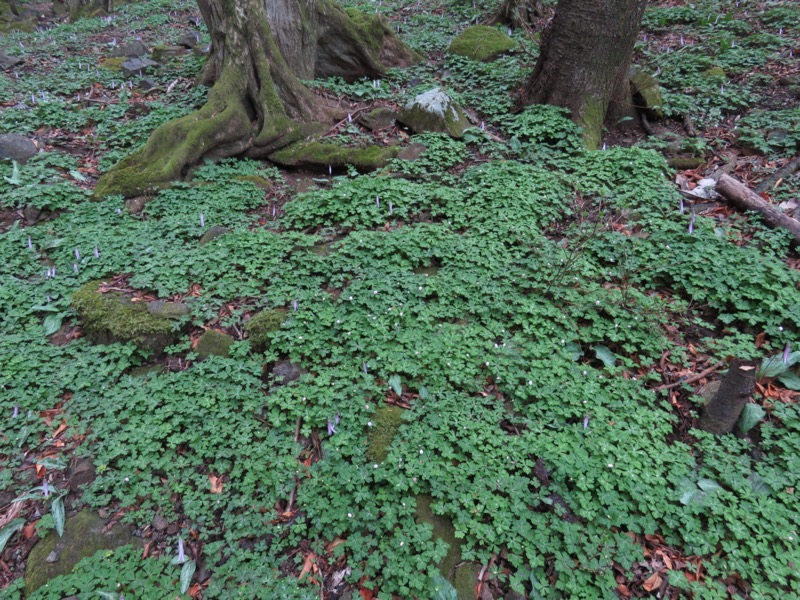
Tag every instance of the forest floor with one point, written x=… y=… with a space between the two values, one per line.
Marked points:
x=486 y=363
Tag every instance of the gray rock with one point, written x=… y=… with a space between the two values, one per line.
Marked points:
x=31 y=214
x=434 y=111
x=138 y=66
x=84 y=534
x=135 y=205
x=7 y=62
x=213 y=233
x=287 y=371
x=170 y=310
x=159 y=523
x=165 y=53
x=202 y=49
x=189 y=40
x=378 y=118
x=16 y=147
x=82 y=473
x=147 y=83
x=52 y=557
x=132 y=50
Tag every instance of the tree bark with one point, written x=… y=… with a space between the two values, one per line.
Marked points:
x=519 y=14
x=585 y=61
x=261 y=49
x=723 y=410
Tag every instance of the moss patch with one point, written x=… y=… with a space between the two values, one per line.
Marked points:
x=385 y=424
x=647 y=93
x=213 y=343
x=262 y=325
x=481 y=42
x=320 y=156
x=109 y=318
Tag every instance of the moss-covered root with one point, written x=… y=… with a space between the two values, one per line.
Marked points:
x=222 y=125
x=320 y=156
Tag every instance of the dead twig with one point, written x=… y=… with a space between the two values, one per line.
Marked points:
x=691 y=379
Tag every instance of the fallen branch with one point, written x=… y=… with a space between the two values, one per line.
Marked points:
x=785 y=171
x=691 y=379
x=744 y=198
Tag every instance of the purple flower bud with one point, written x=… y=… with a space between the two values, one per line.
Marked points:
x=202 y=220
x=294 y=305
x=181 y=553
x=330 y=170
x=349 y=118
x=585 y=422
x=15 y=412
x=96 y=252
x=787 y=351
x=336 y=419
x=483 y=126
x=378 y=201
x=331 y=427
x=274 y=211
x=30 y=243
x=45 y=488
x=77 y=254
x=391 y=209
x=364 y=366
x=682 y=207
x=75 y=267
x=691 y=222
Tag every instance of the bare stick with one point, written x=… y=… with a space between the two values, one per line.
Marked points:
x=744 y=198
x=691 y=379
x=785 y=171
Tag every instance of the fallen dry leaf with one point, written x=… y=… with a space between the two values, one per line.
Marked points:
x=216 y=484
x=652 y=583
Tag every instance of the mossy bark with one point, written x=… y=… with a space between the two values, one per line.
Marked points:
x=584 y=62
x=519 y=14
x=257 y=105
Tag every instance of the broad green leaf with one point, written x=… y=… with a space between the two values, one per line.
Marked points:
x=758 y=485
x=605 y=355
x=708 y=485
x=48 y=308
x=396 y=384
x=774 y=365
x=15 y=178
x=77 y=175
x=423 y=393
x=574 y=351
x=9 y=530
x=52 y=323
x=534 y=595
x=57 y=508
x=443 y=589
x=694 y=497
x=751 y=415
x=790 y=380
x=54 y=464
x=187 y=571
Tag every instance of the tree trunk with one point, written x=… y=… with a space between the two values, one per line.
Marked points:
x=584 y=62
x=257 y=105
x=519 y=14
x=723 y=410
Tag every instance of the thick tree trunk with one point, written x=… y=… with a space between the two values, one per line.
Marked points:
x=584 y=63
x=258 y=103
x=519 y=14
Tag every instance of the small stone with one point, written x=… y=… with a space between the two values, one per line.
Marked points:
x=159 y=523
x=31 y=214
x=172 y=529
x=189 y=40
x=135 y=205
x=52 y=557
x=138 y=66
x=378 y=118
x=434 y=111
x=16 y=147
x=147 y=83
x=213 y=233
x=132 y=50
x=287 y=371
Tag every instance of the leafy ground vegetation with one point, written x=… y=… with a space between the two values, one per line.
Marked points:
x=510 y=331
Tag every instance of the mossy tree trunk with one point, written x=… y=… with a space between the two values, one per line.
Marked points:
x=260 y=51
x=519 y=14
x=585 y=60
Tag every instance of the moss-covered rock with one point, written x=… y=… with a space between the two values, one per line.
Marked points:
x=213 y=233
x=716 y=73
x=319 y=155
x=647 y=92
x=214 y=343
x=113 y=63
x=385 y=424
x=463 y=577
x=481 y=42
x=162 y=54
x=168 y=310
x=434 y=111
x=258 y=181
x=378 y=118
x=112 y=317
x=84 y=535
x=263 y=324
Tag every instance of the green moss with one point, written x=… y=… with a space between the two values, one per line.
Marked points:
x=716 y=73
x=321 y=155
x=646 y=87
x=213 y=343
x=257 y=180
x=592 y=120
x=385 y=424
x=108 y=318
x=113 y=63
x=368 y=27
x=481 y=42
x=263 y=324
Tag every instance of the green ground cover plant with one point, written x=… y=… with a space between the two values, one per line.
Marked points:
x=516 y=302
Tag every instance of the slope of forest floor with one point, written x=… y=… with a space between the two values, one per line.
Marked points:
x=486 y=363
